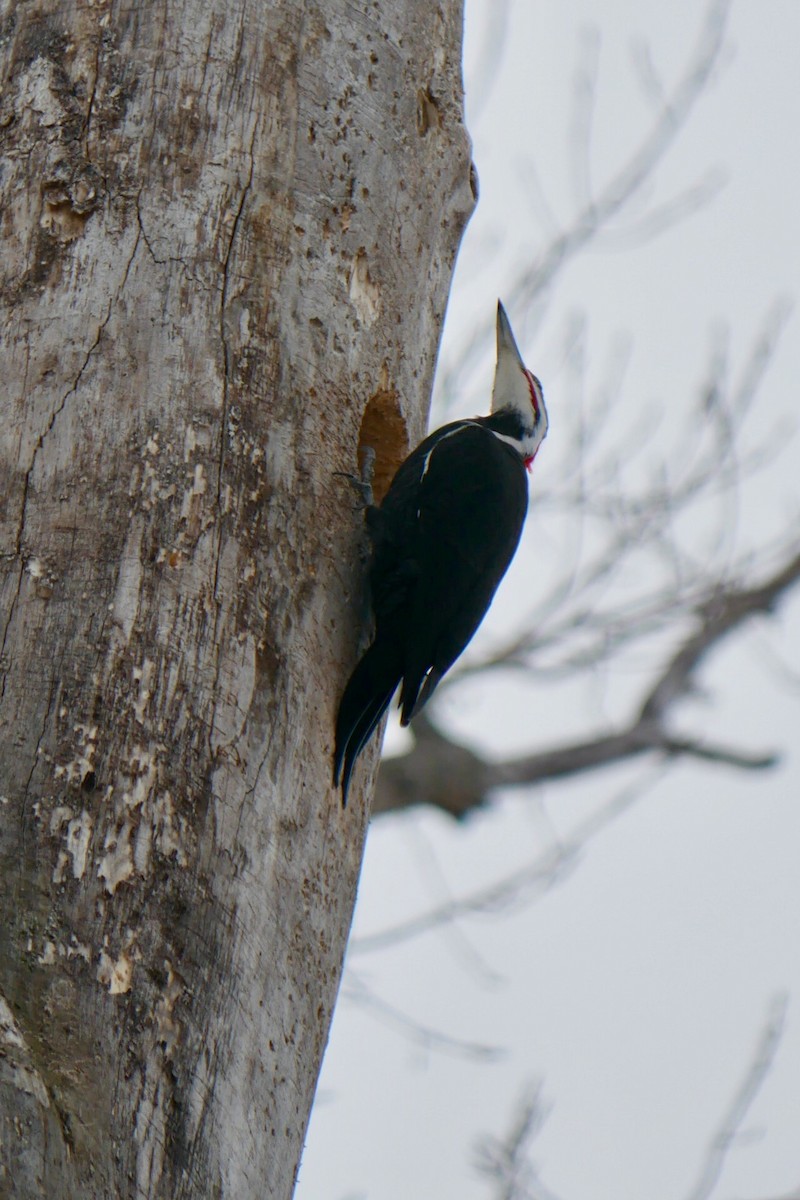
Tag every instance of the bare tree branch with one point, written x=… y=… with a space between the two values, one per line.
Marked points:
x=719 y=615
x=730 y=1126
x=507 y=1160
x=485 y=73
x=530 y=882
x=632 y=573
x=597 y=208
x=441 y=772
x=671 y=119
x=356 y=991
x=582 y=620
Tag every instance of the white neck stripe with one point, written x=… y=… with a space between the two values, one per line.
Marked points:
x=509 y=441
x=427 y=459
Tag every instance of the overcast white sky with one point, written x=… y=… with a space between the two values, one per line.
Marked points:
x=637 y=988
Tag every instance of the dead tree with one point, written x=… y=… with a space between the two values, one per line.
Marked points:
x=228 y=234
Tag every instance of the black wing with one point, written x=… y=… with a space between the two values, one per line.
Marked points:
x=393 y=531
x=457 y=506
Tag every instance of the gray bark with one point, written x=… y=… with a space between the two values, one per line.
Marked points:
x=228 y=234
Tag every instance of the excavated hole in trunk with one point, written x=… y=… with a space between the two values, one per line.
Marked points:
x=383 y=428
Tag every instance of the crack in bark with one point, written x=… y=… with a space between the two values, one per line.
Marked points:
x=54 y=682
x=90 y=106
x=40 y=443
x=171 y=258
x=160 y=262
x=8 y=626
x=69 y=392
x=224 y=425
x=35 y=756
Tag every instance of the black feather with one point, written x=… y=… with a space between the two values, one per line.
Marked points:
x=442 y=540
x=365 y=700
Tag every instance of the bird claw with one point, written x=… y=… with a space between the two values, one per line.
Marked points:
x=363 y=483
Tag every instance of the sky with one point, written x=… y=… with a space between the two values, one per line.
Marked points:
x=635 y=988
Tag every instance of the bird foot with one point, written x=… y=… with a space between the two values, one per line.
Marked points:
x=363 y=484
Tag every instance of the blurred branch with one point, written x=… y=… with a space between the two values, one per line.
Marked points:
x=632 y=583
x=719 y=615
x=533 y=880
x=356 y=991
x=442 y=772
x=507 y=1160
x=598 y=208
x=671 y=118
x=486 y=71
x=634 y=527
x=730 y=1126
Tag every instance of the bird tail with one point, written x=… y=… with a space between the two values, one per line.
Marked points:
x=365 y=700
x=416 y=693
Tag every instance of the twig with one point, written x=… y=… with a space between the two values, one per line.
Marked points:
x=419 y=777
x=507 y=1160
x=731 y=1123
x=355 y=990
x=596 y=210
x=533 y=880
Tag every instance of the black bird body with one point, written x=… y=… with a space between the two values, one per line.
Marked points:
x=442 y=540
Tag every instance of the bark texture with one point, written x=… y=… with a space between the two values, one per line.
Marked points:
x=228 y=232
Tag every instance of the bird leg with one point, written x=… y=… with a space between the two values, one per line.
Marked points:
x=363 y=483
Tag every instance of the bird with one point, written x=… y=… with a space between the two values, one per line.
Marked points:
x=441 y=540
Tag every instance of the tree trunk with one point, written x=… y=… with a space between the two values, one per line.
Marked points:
x=228 y=234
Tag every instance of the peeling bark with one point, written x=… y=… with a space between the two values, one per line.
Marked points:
x=228 y=232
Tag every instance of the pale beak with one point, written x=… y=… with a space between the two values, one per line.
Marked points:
x=505 y=338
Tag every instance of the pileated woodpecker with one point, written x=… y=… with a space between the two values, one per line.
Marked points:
x=442 y=540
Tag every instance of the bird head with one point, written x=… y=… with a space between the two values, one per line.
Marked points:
x=517 y=396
